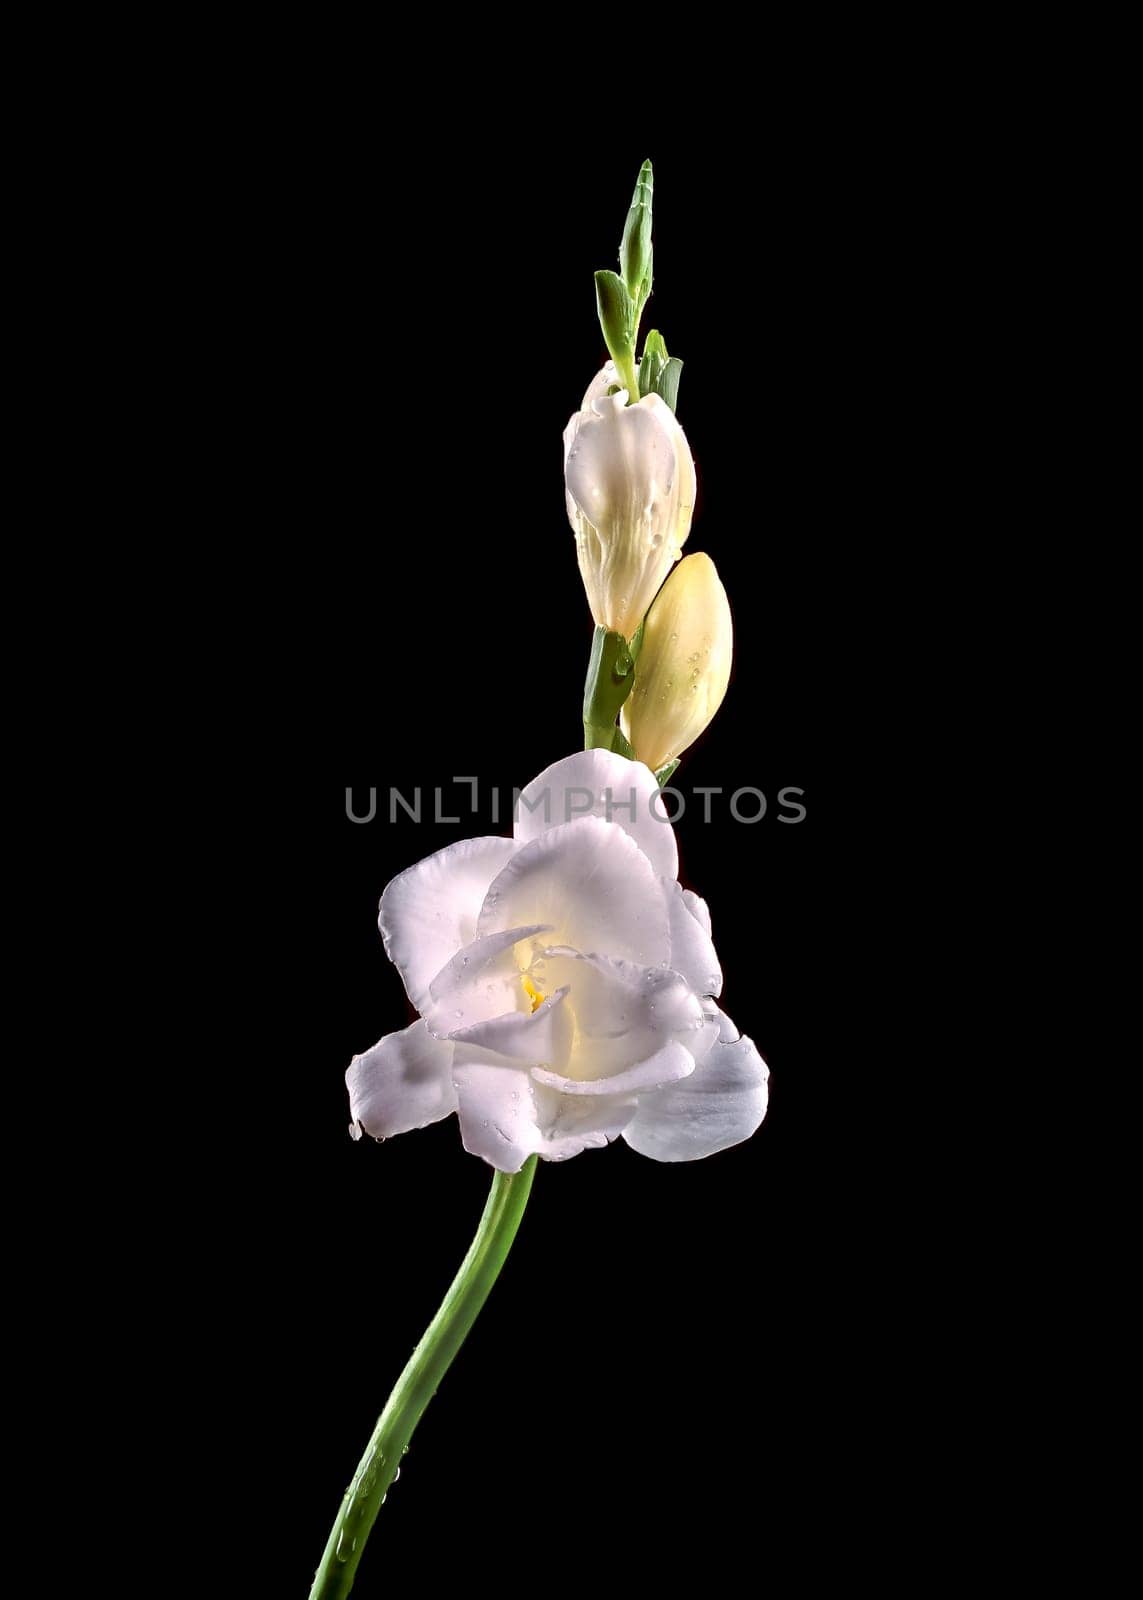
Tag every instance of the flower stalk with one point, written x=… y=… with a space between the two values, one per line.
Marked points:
x=610 y=676
x=419 y=1381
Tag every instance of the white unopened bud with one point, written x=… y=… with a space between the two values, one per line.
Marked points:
x=630 y=484
x=684 y=665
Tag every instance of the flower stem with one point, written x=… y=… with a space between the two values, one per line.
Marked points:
x=625 y=367
x=418 y=1383
x=610 y=675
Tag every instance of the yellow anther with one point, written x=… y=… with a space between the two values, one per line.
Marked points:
x=533 y=993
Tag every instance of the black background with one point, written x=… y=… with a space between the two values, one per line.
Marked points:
x=678 y=1364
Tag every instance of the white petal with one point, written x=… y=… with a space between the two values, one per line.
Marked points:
x=496 y=1108
x=591 y=882
x=571 y=1124
x=481 y=981
x=430 y=910
x=601 y=784
x=698 y=908
x=669 y=1064
x=403 y=1082
x=623 y=1013
x=504 y=1118
x=692 y=950
x=542 y=1037
x=606 y=378
x=623 y=460
x=720 y=1104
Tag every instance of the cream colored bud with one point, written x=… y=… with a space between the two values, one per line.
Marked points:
x=684 y=665
x=630 y=484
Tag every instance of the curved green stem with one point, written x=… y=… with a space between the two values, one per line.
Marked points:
x=610 y=675
x=418 y=1383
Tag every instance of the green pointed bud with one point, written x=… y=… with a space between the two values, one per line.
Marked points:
x=635 y=253
x=654 y=360
x=667 y=383
x=659 y=373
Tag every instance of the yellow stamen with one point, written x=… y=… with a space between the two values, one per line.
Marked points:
x=533 y=993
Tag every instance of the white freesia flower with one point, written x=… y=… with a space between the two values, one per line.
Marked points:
x=630 y=483
x=566 y=985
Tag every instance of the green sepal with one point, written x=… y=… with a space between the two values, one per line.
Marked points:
x=665 y=774
x=610 y=678
x=636 y=252
x=620 y=745
x=637 y=640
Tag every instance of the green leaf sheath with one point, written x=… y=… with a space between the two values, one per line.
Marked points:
x=418 y=1383
x=667 y=382
x=618 y=321
x=610 y=678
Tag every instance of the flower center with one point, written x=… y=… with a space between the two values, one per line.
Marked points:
x=534 y=994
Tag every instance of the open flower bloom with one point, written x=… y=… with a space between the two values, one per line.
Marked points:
x=566 y=986
x=630 y=483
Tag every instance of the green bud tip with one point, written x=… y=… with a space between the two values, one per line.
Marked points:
x=635 y=252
